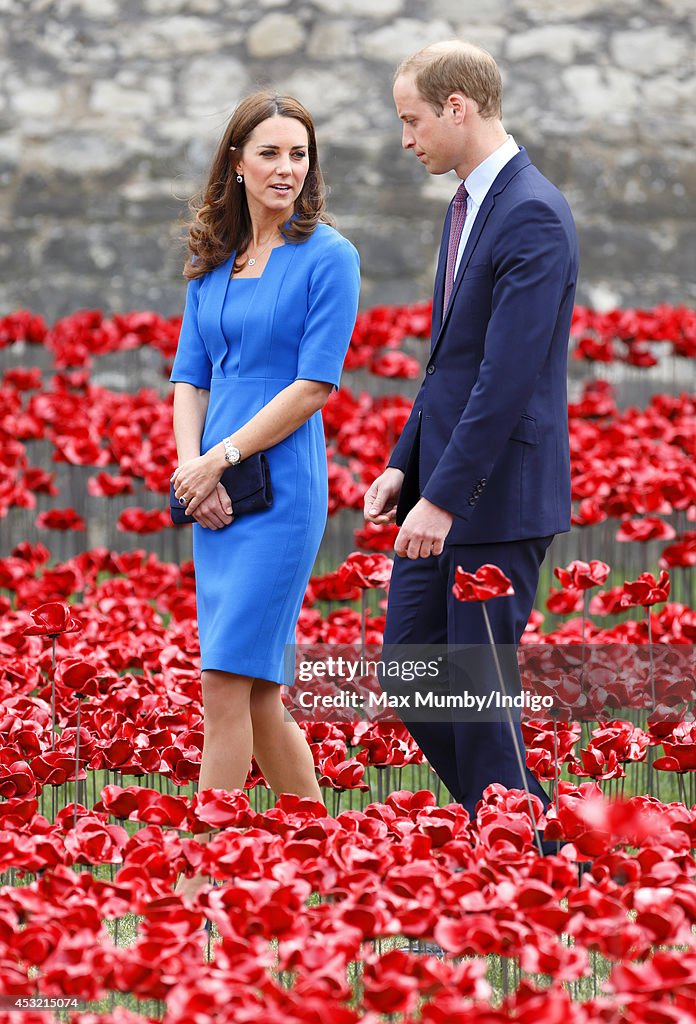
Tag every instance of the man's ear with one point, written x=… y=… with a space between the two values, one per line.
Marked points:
x=456 y=105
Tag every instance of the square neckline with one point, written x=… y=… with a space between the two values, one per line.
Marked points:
x=234 y=277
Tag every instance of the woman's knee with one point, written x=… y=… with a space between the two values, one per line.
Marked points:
x=224 y=695
x=265 y=700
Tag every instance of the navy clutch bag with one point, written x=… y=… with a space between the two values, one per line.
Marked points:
x=248 y=485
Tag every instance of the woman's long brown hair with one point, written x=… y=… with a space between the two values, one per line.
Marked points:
x=221 y=215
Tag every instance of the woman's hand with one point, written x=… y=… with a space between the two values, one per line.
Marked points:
x=196 y=480
x=216 y=510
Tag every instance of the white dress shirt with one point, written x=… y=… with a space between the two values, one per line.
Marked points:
x=478 y=184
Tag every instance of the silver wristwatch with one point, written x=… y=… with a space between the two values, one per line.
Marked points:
x=232 y=454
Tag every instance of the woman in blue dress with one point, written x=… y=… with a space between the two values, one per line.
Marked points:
x=270 y=308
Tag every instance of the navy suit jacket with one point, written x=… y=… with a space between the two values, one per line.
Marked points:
x=487 y=438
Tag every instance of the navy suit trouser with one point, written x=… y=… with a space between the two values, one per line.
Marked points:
x=467 y=755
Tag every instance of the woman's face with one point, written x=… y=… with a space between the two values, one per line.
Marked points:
x=275 y=162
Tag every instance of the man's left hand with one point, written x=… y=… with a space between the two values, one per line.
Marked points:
x=424 y=531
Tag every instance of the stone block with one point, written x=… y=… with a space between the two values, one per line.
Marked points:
x=98 y=10
x=166 y=7
x=404 y=36
x=610 y=248
x=85 y=151
x=607 y=95
x=571 y=10
x=211 y=88
x=108 y=97
x=50 y=195
x=489 y=37
x=676 y=96
x=39 y=103
x=467 y=13
x=361 y=8
x=652 y=49
x=10 y=152
x=560 y=43
x=390 y=248
x=322 y=92
x=275 y=34
x=166 y=38
x=151 y=202
x=332 y=39
x=15 y=245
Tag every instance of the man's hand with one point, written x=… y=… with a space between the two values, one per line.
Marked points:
x=383 y=495
x=424 y=531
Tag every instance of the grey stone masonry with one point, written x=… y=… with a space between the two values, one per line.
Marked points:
x=110 y=109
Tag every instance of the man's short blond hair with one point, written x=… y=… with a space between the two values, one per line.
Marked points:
x=456 y=66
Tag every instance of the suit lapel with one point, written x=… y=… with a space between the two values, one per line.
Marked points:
x=439 y=292
x=511 y=168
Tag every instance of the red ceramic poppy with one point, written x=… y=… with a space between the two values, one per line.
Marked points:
x=562 y=602
x=51 y=619
x=365 y=571
x=140 y=520
x=22 y=325
x=681 y=554
x=487 y=582
x=582 y=575
x=103 y=485
x=376 y=537
x=332 y=587
x=646 y=590
x=395 y=364
x=60 y=519
x=650 y=528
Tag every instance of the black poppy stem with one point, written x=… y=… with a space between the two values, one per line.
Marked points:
x=556 y=766
x=650 y=655
x=53 y=691
x=77 y=759
x=513 y=731
x=651 y=750
x=585 y=613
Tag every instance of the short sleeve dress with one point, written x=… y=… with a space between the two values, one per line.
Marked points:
x=245 y=341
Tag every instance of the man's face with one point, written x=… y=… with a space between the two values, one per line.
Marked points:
x=435 y=140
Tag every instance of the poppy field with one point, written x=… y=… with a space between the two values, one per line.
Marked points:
x=385 y=903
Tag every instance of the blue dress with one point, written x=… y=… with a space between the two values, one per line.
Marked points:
x=246 y=340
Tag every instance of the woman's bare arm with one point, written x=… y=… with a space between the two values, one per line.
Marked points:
x=190 y=408
x=197 y=475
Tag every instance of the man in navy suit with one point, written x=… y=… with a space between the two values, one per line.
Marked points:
x=481 y=472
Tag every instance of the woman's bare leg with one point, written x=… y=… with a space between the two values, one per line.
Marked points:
x=279 y=745
x=227 y=745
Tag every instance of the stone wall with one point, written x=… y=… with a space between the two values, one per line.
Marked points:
x=110 y=109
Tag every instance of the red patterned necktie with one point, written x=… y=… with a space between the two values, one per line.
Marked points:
x=456 y=228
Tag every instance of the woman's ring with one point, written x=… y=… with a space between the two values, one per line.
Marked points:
x=182 y=501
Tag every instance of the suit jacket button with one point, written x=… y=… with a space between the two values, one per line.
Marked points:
x=430 y=369
x=483 y=481
x=472 y=501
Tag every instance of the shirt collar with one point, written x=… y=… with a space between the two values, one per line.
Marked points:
x=482 y=177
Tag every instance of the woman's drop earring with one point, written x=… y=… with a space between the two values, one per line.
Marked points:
x=240 y=179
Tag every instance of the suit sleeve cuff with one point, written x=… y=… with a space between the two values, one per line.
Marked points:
x=447 y=502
